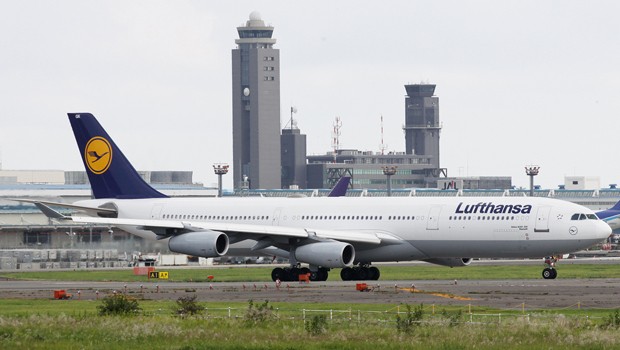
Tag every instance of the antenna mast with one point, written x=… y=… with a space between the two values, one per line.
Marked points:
x=336 y=137
x=383 y=146
x=293 y=110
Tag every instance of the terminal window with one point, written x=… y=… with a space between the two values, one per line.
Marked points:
x=31 y=238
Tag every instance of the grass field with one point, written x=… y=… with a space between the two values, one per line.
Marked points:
x=388 y=273
x=45 y=324
x=75 y=324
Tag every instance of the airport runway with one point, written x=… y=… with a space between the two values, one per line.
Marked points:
x=503 y=294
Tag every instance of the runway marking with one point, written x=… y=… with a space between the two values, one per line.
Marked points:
x=437 y=294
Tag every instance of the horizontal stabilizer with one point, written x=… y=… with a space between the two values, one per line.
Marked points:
x=49 y=212
x=46 y=204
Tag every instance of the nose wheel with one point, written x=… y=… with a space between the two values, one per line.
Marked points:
x=549 y=272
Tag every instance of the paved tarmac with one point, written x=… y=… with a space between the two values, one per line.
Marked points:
x=502 y=294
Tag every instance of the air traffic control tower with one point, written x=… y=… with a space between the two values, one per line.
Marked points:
x=422 y=125
x=256 y=106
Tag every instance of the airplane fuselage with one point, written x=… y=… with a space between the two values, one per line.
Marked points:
x=410 y=228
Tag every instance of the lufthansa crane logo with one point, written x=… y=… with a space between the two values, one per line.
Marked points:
x=98 y=155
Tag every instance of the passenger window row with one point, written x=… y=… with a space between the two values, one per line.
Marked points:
x=302 y=217
x=341 y=217
x=216 y=217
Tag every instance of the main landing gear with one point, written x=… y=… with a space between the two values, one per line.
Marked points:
x=291 y=274
x=363 y=272
x=360 y=273
x=550 y=273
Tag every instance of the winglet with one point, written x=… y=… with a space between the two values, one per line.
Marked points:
x=340 y=189
x=109 y=172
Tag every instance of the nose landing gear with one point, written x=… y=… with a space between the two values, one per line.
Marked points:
x=549 y=272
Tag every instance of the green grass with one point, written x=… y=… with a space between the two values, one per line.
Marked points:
x=50 y=307
x=74 y=324
x=50 y=324
x=388 y=272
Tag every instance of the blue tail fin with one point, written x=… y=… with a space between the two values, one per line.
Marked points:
x=340 y=188
x=110 y=173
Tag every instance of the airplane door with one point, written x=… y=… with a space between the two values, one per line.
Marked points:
x=542 y=219
x=156 y=211
x=433 y=218
x=275 y=220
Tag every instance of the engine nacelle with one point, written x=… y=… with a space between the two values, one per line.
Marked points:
x=326 y=254
x=451 y=262
x=206 y=244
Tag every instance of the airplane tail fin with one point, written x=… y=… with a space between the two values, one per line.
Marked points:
x=340 y=188
x=616 y=206
x=110 y=173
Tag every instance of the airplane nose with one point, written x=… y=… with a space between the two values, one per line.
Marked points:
x=603 y=230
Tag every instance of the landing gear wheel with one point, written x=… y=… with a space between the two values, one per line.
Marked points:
x=323 y=274
x=347 y=274
x=314 y=276
x=278 y=274
x=319 y=275
x=294 y=274
x=549 y=273
x=373 y=273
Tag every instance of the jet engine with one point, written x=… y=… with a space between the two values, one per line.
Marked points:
x=207 y=244
x=451 y=262
x=326 y=254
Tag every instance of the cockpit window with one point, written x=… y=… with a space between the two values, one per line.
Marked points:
x=581 y=216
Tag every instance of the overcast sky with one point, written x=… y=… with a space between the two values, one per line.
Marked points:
x=519 y=82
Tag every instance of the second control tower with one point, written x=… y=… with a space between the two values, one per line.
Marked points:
x=422 y=125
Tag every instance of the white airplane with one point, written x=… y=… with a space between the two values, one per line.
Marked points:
x=326 y=233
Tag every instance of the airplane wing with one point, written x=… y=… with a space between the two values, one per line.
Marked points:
x=165 y=227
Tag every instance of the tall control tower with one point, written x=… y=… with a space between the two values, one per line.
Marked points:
x=256 y=106
x=422 y=125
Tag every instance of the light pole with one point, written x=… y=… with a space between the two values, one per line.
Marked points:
x=389 y=171
x=220 y=169
x=532 y=171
